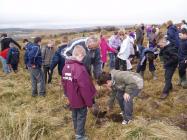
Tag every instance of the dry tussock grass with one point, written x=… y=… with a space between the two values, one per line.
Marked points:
x=25 y=118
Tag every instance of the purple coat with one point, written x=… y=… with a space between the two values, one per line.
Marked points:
x=77 y=84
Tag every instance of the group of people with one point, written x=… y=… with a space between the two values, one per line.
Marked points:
x=82 y=60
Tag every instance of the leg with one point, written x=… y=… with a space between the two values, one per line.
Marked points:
x=41 y=81
x=182 y=71
x=45 y=73
x=81 y=121
x=5 y=66
x=74 y=118
x=112 y=60
x=117 y=63
x=128 y=105
x=34 y=82
x=168 y=78
x=123 y=65
x=120 y=99
x=152 y=69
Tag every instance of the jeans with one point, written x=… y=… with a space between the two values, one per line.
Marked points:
x=143 y=66
x=112 y=57
x=127 y=106
x=47 y=74
x=37 y=77
x=5 y=66
x=79 y=120
x=182 y=70
x=168 y=78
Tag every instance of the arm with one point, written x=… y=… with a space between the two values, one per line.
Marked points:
x=13 y=41
x=55 y=60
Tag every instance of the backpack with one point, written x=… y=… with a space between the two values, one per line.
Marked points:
x=14 y=55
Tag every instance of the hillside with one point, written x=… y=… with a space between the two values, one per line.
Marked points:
x=23 y=117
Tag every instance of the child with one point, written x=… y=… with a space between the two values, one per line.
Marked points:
x=114 y=42
x=104 y=47
x=13 y=57
x=127 y=85
x=147 y=54
x=183 y=58
x=169 y=55
x=47 y=54
x=79 y=89
x=126 y=50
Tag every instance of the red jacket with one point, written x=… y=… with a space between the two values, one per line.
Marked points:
x=4 y=53
x=77 y=84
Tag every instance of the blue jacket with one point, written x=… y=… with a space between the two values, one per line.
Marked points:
x=28 y=47
x=35 y=56
x=182 y=52
x=13 y=56
x=58 y=59
x=173 y=35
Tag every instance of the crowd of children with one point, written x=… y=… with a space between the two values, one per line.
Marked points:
x=81 y=60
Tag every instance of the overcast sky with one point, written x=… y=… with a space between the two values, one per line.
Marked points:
x=71 y=12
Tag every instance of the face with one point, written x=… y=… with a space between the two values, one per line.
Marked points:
x=93 y=45
x=51 y=43
x=162 y=43
x=182 y=36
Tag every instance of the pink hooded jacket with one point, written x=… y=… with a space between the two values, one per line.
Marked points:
x=104 y=47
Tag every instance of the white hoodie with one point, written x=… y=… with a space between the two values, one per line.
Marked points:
x=126 y=50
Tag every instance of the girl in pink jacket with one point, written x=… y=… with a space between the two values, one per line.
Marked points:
x=104 y=47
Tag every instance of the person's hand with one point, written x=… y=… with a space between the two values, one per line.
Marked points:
x=33 y=66
x=126 y=97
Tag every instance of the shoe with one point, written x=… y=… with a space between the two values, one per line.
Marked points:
x=124 y=122
x=164 y=96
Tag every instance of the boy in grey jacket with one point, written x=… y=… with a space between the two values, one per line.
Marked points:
x=127 y=85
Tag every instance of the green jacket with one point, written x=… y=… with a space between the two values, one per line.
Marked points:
x=126 y=81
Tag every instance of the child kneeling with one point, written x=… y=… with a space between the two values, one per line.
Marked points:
x=127 y=86
x=79 y=89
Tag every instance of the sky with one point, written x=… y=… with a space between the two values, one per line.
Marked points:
x=50 y=13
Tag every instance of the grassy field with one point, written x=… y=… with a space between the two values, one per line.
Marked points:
x=25 y=118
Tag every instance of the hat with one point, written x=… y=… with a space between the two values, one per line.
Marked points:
x=132 y=35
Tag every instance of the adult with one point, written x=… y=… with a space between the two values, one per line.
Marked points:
x=172 y=34
x=183 y=24
x=92 y=58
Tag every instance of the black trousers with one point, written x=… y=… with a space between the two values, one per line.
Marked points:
x=168 y=79
x=120 y=64
x=182 y=70
x=47 y=74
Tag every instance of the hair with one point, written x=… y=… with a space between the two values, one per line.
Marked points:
x=115 y=32
x=184 y=21
x=78 y=50
x=103 y=78
x=37 y=40
x=25 y=40
x=92 y=39
x=64 y=38
x=169 y=23
x=121 y=31
x=4 y=35
x=184 y=31
x=159 y=37
x=150 y=56
x=103 y=32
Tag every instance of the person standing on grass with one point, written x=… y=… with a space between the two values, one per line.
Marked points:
x=114 y=42
x=34 y=65
x=169 y=54
x=183 y=58
x=58 y=58
x=13 y=57
x=47 y=54
x=126 y=86
x=79 y=89
x=92 y=58
x=104 y=47
x=5 y=46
